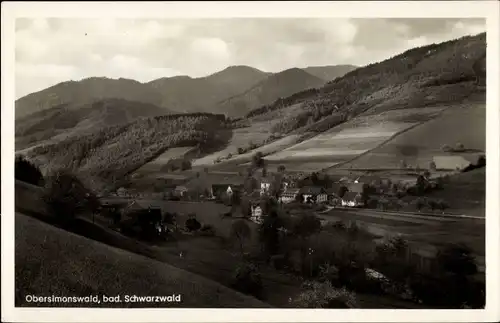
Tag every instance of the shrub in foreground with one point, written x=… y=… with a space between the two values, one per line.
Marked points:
x=247 y=279
x=324 y=295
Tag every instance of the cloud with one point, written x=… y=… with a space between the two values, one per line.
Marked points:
x=53 y=50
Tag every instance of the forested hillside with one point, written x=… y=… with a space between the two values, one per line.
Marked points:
x=110 y=153
x=68 y=119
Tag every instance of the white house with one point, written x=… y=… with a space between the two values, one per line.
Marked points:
x=289 y=195
x=352 y=199
x=264 y=187
x=257 y=216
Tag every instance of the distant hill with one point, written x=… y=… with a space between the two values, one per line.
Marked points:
x=329 y=73
x=185 y=94
x=181 y=94
x=67 y=119
x=78 y=93
x=275 y=86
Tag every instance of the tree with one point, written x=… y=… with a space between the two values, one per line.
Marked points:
x=324 y=295
x=433 y=205
x=281 y=168
x=264 y=171
x=315 y=178
x=247 y=279
x=269 y=233
x=67 y=197
x=27 y=172
x=258 y=160
x=305 y=226
x=241 y=232
x=241 y=150
x=192 y=224
x=442 y=205
x=432 y=166
x=186 y=164
x=342 y=190
x=384 y=203
x=421 y=185
x=459 y=147
x=481 y=162
x=457 y=259
x=246 y=207
x=420 y=204
x=403 y=164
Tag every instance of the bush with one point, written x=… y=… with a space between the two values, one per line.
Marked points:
x=247 y=279
x=280 y=262
x=27 y=172
x=324 y=295
x=193 y=225
x=207 y=230
x=67 y=197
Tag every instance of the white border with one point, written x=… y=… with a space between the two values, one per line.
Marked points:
x=373 y=9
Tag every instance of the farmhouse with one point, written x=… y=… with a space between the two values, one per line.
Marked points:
x=451 y=162
x=352 y=199
x=333 y=192
x=225 y=189
x=257 y=215
x=289 y=195
x=265 y=185
x=180 y=191
x=313 y=194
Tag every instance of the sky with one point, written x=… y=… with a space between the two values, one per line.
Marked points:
x=54 y=50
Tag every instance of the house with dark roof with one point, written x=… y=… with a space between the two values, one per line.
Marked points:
x=352 y=199
x=314 y=194
x=180 y=191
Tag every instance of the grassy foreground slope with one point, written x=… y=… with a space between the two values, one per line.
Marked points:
x=50 y=261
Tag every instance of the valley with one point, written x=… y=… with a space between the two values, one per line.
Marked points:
x=343 y=160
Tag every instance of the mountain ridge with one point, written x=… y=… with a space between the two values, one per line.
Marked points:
x=181 y=93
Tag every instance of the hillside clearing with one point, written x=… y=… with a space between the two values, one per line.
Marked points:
x=157 y=164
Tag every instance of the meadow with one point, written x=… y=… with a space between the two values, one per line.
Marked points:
x=158 y=164
x=418 y=145
x=241 y=138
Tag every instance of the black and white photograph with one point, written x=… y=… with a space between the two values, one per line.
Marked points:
x=238 y=161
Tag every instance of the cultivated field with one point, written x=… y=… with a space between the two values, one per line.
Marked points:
x=161 y=161
x=349 y=140
x=463 y=123
x=242 y=137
